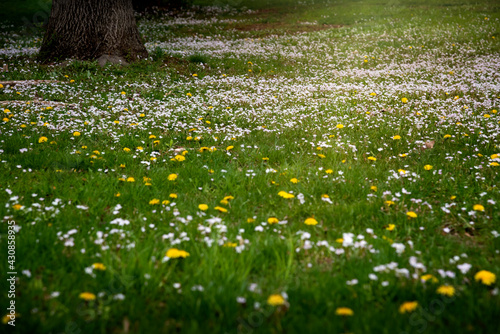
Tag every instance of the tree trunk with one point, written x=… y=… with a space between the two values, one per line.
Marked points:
x=88 y=29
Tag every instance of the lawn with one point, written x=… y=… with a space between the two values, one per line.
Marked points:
x=284 y=167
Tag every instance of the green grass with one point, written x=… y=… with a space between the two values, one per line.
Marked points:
x=252 y=100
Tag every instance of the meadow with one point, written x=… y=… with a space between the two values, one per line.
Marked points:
x=285 y=167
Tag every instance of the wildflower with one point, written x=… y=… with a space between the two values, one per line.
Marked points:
x=189 y=94
x=220 y=209
x=179 y=158
x=284 y=194
x=172 y=177
x=428 y=277
x=404 y=100
x=87 y=296
x=154 y=201
x=311 y=221
x=165 y=202
x=130 y=179
x=122 y=165
x=172 y=195
x=485 y=277
x=494 y=156
x=203 y=207
x=389 y=203
x=123 y=93
x=76 y=134
x=322 y=156
x=372 y=158
x=373 y=94
x=126 y=149
x=408 y=307
x=446 y=290
x=276 y=300
x=250 y=220
x=373 y=188
x=340 y=126
x=152 y=136
x=99 y=266
x=230 y=244
x=396 y=137
x=427 y=167
x=447 y=136
x=272 y=220
x=294 y=180
x=478 y=207
x=344 y=311
x=175 y=253
x=329 y=171
x=17 y=206
x=411 y=214
x=42 y=140
x=265 y=159
x=390 y=227
x=229 y=148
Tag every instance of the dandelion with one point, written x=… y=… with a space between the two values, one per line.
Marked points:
x=42 y=140
x=76 y=134
x=276 y=300
x=408 y=307
x=126 y=149
x=87 y=296
x=17 y=206
x=294 y=180
x=373 y=94
x=485 y=277
x=344 y=311
x=322 y=156
x=329 y=171
x=99 y=266
x=446 y=290
x=154 y=201
x=411 y=214
x=265 y=159
x=478 y=207
x=179 y=158
x=311 y=221
x=340 y=126
x=404 y=100
x=284 y=194
x=175 y=253
x=203 y=207
x=396 y=137
x=374 y=188
x=390 y=227
x=429 y=277
x=250 y=220
x=229 y=148
x=272 y=220
x=172 y=177
x=130 y=179
x=427 y=167
x=447 y=136
x=220 y=209
x=172 y=195
x=372 y=158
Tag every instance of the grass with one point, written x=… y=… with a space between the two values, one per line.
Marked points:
x=238 y=104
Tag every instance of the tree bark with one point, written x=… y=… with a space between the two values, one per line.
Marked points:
x=88 y=29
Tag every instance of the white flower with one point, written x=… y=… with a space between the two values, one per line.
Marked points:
x=464 y=268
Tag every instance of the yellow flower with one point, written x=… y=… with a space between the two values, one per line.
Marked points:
x=203 y=207
x=427 y=167
x=175 y=253
x=229 y=148
x=17 y=206
x=230 y=244
x=284 y=194
x=179 y=158
x=228 y=198
x=396 y=137
x=123 y=93
x=374 y=188
x=447 y=136
x=411 y=214
x=172 y=195
x=340 y=126
x=224 y=202
x=404 y=100
x=311 y=221
x=446 y=290
x=372 y=158
x=276 y=300
x=165 y=202
x=265 y=159
x=99 y=266
x=389 y=203
x=428 y=277
x=189 y=94
x=373 y=94
x=495 y=164
x=42 y=140
x=344 y=311
x=401 y=171
x=250 y=220
x=329 y=171
x=126 y=149
x=172 y=177
x=272 y=220
x=152 y=136
x=408 y=307
x=494 y=156
x=294 y=180
x=122 y=165
x=87 y=296
x=322 y=156
x=390 y=227
x=478 y=207
x=130 y=179
x=154 y=201
x=76 y=133
x=220 y=209
x=485 y=277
